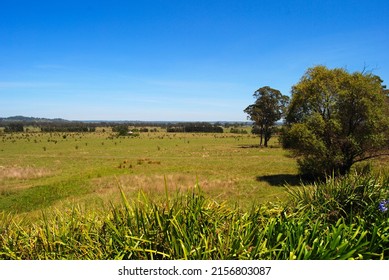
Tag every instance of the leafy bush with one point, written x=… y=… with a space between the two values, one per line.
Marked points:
x=122 y=130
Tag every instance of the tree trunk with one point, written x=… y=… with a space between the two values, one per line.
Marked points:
x=262 y=135
x=267 y=135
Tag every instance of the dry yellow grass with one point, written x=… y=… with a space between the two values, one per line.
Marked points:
x=155 y=185
x=18 y=172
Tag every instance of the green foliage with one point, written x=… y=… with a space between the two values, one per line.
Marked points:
x=348 y=198
x=238 y=131
x=195 y=127
x=122 y=130
x=14 y=127
x=266 y=111
x=67 y=127
x=191 y=226
x=336 y=119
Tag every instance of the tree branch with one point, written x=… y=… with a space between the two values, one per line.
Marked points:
x=372 y=156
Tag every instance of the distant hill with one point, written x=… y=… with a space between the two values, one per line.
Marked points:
x=31 y=119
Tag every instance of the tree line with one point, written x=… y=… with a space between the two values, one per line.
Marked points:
x=20 y=126
x=195 y=127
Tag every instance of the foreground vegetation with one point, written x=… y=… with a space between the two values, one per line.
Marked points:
x=192 y=226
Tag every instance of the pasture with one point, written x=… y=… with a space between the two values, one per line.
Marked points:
x=43 y=170
x=179 y=196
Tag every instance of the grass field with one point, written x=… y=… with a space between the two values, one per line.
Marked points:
x=180 y=196
x=41 y=170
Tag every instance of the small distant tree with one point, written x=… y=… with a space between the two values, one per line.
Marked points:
x=122 y=130
x=336 y=119
x=266 y=111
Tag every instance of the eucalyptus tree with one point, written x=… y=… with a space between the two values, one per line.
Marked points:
x=335 y=119
x=267 y=109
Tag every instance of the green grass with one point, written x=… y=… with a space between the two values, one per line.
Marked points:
x=41 y=196
x=82 y=167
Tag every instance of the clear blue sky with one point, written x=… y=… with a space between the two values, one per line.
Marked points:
x=175 y=60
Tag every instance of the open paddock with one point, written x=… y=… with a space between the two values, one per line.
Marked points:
x=43 y=170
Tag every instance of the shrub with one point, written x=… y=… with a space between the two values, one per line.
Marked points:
x=345 y=197
x=122 y=130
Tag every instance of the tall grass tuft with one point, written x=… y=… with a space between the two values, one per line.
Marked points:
x=191 y=226
x=348 y=197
